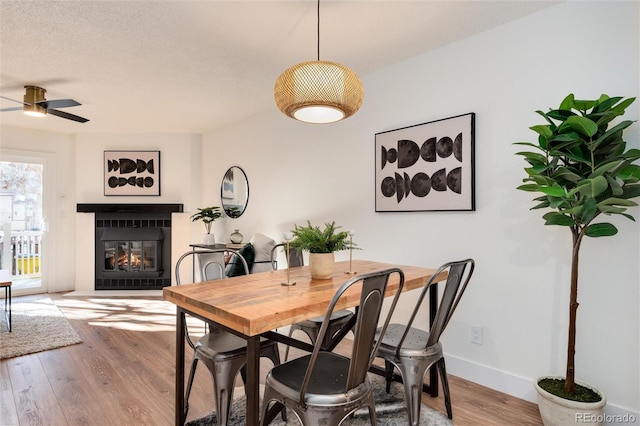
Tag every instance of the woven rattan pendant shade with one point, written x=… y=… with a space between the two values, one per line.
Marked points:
x=318 y=92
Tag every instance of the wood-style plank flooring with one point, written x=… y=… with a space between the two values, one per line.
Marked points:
x=123 y=374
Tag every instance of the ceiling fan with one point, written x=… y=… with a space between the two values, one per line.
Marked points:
x=35 y=104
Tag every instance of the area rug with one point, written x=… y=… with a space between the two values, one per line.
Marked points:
x=36 y=325
x=390 y=410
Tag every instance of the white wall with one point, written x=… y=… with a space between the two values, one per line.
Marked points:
x=179 y=166
x=180 y=177
x=520 y=290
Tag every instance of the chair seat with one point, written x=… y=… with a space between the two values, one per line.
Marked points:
x=413 y=345
x=328 y=380
x=317 y=321
x=220 y=345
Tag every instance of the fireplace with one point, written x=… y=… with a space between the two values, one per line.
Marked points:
x=132 y=245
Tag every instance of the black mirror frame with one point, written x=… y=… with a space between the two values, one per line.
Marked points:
x=233 y=210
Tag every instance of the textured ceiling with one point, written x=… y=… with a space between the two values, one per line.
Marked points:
x=192 y=66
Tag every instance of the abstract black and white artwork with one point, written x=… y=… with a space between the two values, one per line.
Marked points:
x=426 y=167
x=132 y=173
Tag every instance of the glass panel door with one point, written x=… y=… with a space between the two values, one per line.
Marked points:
x=22 y=222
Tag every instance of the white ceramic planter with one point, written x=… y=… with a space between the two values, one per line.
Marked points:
x=321 y=265
x=209 y=239
x=556 y=411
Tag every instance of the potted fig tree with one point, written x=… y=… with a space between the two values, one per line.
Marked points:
x=582 y=173
x=321 y=245
x=207 y=215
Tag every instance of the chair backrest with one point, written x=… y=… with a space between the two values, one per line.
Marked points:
x=295 y=257
x=459 y=274
x=374 y=286
x=208 y=267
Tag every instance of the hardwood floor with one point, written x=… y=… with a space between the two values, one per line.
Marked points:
x=123 y=374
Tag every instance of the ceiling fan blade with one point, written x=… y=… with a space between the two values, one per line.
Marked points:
x=11 y=109
x=59 y=103
x=12 y=100
x=68 y=116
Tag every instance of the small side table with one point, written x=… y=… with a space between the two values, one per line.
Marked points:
x=5 y=282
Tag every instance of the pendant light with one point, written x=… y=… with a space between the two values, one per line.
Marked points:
x=318 y=91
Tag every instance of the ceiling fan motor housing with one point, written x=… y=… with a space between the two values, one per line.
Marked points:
x=32 y=96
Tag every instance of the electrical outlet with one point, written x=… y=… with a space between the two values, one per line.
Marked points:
x=475 y=334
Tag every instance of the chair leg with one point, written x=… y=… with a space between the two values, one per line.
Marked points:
x=293 y=328
x=267 y=399
x=413 y=381
x=224 y=375
x=274 y=355
x=388 y=369
x=445 y=386
x=192 y=372
x=7 y=306
x=372 y=412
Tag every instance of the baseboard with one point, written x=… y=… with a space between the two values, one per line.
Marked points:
x=518 y=386
x=522 y=387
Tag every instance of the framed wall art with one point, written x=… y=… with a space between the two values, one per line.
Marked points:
x=426 y=167
x=132 y=173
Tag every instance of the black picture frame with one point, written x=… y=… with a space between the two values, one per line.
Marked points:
x=132 y=173
x=426 y=167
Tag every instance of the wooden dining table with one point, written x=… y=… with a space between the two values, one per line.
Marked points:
x=255 y=305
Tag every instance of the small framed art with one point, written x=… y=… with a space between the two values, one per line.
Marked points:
x=426 y=167
x=132 y=173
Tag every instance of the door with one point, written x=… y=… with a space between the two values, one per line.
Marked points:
x=22 y=220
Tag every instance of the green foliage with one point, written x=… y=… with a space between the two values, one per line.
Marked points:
x=207 y=215
x=580 y=170
x=314 y=240
x=580 y=165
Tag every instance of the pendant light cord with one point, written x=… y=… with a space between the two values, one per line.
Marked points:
x=318 y=30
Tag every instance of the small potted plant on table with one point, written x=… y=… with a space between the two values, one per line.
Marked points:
x=321 y=245
x=581 y=171
x=207 y=215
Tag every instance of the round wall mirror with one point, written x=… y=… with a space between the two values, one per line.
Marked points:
x=234 y=192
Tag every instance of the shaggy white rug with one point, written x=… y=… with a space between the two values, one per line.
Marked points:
x=36 y=325
x=390 y=410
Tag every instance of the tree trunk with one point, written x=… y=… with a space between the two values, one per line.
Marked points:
x=569 y=385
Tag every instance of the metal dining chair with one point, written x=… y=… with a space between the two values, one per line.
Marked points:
x=323 y=388
x=310 y=327
x=222 y=352
x=412 y=350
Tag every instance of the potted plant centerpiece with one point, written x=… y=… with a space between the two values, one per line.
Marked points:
x=207 y=215
x=581 y=170
x=321 y=245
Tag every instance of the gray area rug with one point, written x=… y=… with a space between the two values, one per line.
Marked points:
x=390 y=411
x=36 y=325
